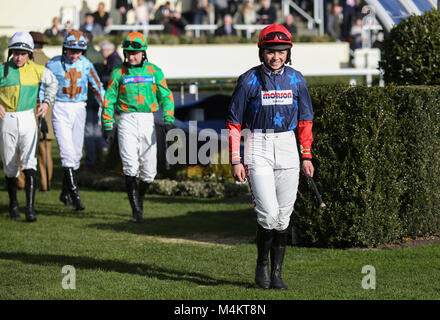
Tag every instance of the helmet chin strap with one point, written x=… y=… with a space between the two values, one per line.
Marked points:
x=262 y=74
x=8 y=59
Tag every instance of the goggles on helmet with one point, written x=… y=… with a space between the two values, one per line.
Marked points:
x=271 y=36
x=74 y=43
x=19 y=45
x=133 y=44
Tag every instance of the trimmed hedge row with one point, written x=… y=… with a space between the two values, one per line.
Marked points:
x=411 y=53
x=377 y=160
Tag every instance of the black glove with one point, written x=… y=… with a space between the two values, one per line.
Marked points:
x=167 y=127
x=108 y=135
x=43 y=127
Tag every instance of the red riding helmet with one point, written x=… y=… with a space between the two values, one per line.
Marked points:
x=276 y=37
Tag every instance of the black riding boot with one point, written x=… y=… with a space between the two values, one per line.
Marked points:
x=277 y=252
x=264 y=242
x=132 y=191
x=29 y=176
x=72 y=186
x=64 y=196
x=12 y=192
x=142 y=190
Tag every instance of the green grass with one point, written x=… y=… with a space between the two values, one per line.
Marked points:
x=188 y=248
x=182 y=251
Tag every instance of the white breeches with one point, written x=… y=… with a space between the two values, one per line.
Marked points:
x=18 y=135
x=68 y=119
x=272 y=166
x=137 y=145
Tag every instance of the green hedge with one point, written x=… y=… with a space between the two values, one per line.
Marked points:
x=377 y=160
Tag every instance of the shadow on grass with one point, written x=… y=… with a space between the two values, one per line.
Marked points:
x=141 y=269
x=224 y=227
x=60 y=210
x=54 y=210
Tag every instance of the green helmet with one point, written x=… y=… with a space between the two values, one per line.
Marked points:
x=134 y=41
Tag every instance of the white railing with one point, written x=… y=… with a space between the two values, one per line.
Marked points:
x=288 y=3
x=196 y=28
x=250 y=28
x=318 y=13
x=125 y=27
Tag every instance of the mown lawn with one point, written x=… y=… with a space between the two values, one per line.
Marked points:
x=187 y=248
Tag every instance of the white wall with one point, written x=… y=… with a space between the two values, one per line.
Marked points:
x=232 y=60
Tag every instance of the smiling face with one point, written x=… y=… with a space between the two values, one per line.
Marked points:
x=275 y=59
x=20 y=57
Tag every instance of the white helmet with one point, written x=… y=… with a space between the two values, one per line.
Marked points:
x=21 y=41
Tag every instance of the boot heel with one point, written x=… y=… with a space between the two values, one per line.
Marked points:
x=142 y=190
x=264 y=242
x=13 y=203
x=30 y=194
x=277 y=252
x=65 y=199
x=262 y=278
x=72 y=186
x=64 y=195
x=132 y=192
x=14 y=212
